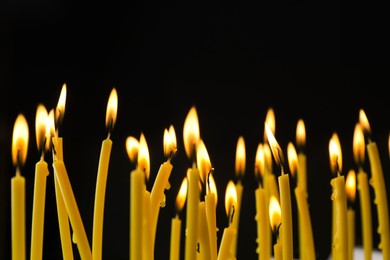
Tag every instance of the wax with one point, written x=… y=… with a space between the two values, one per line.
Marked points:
x=212 y=224
x=147 y=244
x=203 y=234
x=175 y=238
x=278 y=251
x=236 y=220
x=224 y=252
x=351 y=232
x=137 y=187
x=18 y=220
x=263 y=226
x=285 y=204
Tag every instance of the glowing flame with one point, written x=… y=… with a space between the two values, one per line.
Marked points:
x=182 y=195
x=358 y=145
x=112 y=107
x=132 y=146
x=213 y=187
x=364 y=122
x=259 y=161
x=169 y=141
x=191 y=132
x=20 y=141
x=41 y=127
x=275 y=147
x=350 y=185
x=270 y=121
x=292 y=158
x=143 y=156
x=203 y=161
x=267 y=157
x=335 y=155
x=60 y=110
x=240 y=157
x=230 y=199
x=50 y=129
x=275 y=213
x=301 y=134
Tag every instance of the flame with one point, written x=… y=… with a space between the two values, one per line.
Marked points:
x=292 y=158
x=350 y=185
x=60 y=110
x=259 y=161
x=267 y=157
x=50 y=129
x=301 y=134
x=275 y=147
x=335 y=154
x=230 y=199
x=112 y=108
x=275 y=213
x=240 y=157
x=20 y=141
x=182 y=195
x=191 y=132
x=213 y=187
x=169 y=141
x=41 y=126
x=203 y=161
x=143 y=156
x=270 y=121
x=358 y=144
x=132 y=147
x=364 y=122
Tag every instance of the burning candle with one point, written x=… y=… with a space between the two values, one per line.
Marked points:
x=191 y=135
x=229 y=232
x=285 y=197
x=275 y=222
x=176 y=221
x=104 y=160
x=350 y=190
x=42 y=128
x=364 y=191
x=339 y=202
x=18 y=188
x=378 y=183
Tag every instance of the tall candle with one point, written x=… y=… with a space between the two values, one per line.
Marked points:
x=18 y=188
x=101 y=180
x=41 y=173
x=285 y=197
x=378 y=183
x=275 y=222
x=350 y=189
x=339 y=201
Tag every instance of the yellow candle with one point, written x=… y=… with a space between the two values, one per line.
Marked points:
x=101 y=180
x=275 y=222
x=278 y=251
x=18 y=188
x=229 y=232
x=147 y=245
x=378 y=183
x=350 y=189
x=203 y=234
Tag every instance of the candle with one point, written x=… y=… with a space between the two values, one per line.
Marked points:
x=275 y=222
x=41 y=173
x=176 y=221
x=18 y=185
x=350 y=189
x=211 y=203
x=147 y=244
x=157 y=197
x=306 y=241
x=285 y=197
x=104 y=160
x=339 y=201
x=229 y=232
x=191 y=135
x=378 y=183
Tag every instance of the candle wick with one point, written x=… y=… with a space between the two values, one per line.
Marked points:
x=232 y=211
x=18 y=170
x=172 y=154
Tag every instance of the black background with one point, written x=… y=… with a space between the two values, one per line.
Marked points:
x=319 y=61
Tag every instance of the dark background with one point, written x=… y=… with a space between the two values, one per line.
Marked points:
x=319 y=61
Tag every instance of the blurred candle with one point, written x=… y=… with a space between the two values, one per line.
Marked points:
x=350 y=189
x=339 y=201
x=176 y=222
x=18 y=188
x=364 y=192
x=104 y=160
x=285 y=197
x=240 y=171
x=379 y=185
x=191 y=135
x=42 y=127
x=229 y=232
x=275 y=222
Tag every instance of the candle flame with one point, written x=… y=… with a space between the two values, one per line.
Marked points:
x=41 y=127
x=301 y=134
x=364 y=122
x=60 y=110
x=169 y=142
x=50 y=129
x=350 y=185
x=203 y=161
x=213 y=187
x=182 y=195
x=191 y=132
x=240 y=157
x=267 y=157
x=112 y=108
x=143 y=156
x=275 y=147
x=230 y=199
x=358 y=145
x=259 y=161
x=20 y=141
x=270 y=121
x=335 y=155
x=132 y=147
x=292 y=158
x=275 y=213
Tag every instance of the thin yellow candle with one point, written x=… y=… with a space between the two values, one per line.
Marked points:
x=203 y=234
x=285 y=197
x=157 y=197
x=364 y=191
x=176 y=221
x=350 y=189
x=41 y=173
x=147 y=244
x=275 y=222
x=191 y=135
x=18 y=188
x=378 y=183
x=229 y=232
x=307 y=250
x=339 y=201
x=205 y=172
x=101 y=180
